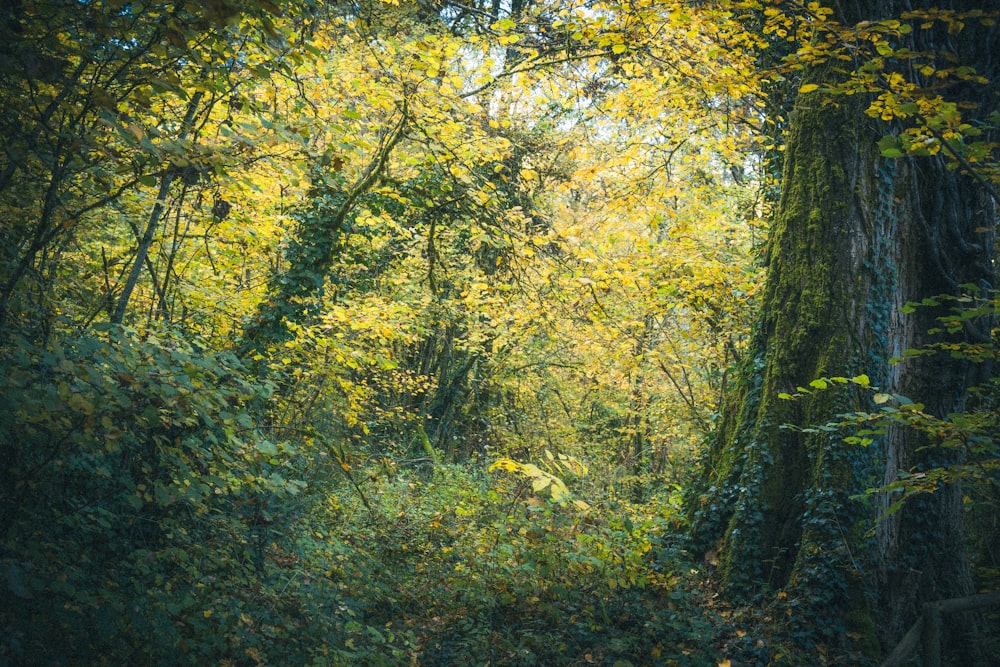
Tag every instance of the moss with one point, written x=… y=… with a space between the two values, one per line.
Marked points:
x=784 y=523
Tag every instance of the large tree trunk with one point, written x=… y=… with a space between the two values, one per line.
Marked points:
x=780 y=501
x=945 y=240
x=855 y=237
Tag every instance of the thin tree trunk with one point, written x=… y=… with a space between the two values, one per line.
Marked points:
x=154 y=218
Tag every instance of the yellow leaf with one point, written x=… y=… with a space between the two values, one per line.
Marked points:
x=541 y=483
x=808 y=88
x=509 y=465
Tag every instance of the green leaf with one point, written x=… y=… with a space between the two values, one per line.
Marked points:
x=890 y=147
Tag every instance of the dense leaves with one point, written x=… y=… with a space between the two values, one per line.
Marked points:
x=135 y=498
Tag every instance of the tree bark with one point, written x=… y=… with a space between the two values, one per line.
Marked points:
x=142 y=252
x=780 y=501
x=947 y=241
x=855 y=237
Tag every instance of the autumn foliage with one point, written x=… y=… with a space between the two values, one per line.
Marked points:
x=397 y=332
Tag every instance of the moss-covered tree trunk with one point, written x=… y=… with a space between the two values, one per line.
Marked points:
x=779 y=502
x=855 y=237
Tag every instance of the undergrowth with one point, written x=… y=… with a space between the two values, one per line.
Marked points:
x=461 y=566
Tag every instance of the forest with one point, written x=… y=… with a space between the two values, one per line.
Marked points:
x=499 y=332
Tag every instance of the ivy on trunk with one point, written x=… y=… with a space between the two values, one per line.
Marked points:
x=855 y=237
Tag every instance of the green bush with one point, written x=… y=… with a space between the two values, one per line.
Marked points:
x=132 y=503
x=148 y=520
x=469 y=567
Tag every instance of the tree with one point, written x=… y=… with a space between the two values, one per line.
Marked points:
x=101 y=102
x=880 y=205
